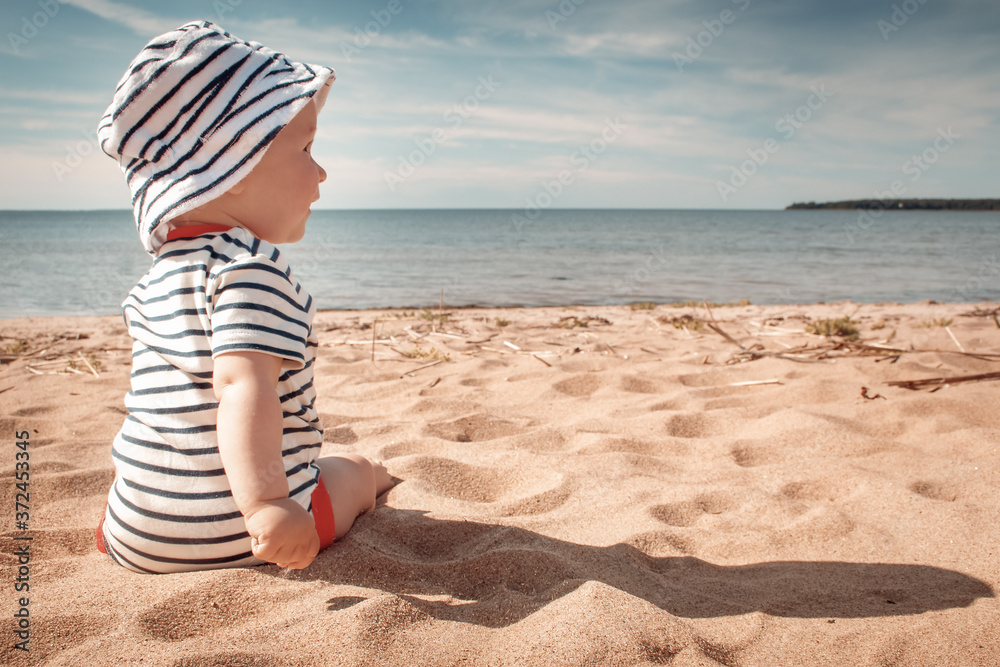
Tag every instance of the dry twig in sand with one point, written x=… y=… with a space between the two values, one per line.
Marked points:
x=948 y=329
x=939 y=382
x=841 y=348
x=420 y=368
x=87 y=363
x=541 y=360
x=864 y=394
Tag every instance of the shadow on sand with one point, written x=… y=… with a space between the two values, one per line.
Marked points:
x=499 y=575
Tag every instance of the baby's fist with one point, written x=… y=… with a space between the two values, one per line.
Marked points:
x=282 y=532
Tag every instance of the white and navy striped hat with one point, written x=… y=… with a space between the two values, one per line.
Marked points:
x=194 y=113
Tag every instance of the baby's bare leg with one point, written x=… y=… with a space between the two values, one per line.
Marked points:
x=353 y=483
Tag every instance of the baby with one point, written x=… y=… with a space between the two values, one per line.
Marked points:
x=217 y=462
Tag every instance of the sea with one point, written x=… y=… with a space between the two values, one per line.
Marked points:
x=85 y=262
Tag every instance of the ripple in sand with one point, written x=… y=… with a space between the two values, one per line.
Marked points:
x=645 y=448
x=53 y=630
x=660 y=544
x=343 y=602
x=231 y=659
x=381 y=620
x=72 y=484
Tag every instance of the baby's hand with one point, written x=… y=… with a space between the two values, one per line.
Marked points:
x=282 y=532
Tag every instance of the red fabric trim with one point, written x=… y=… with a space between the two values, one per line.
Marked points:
x=191 y=231
x=99 y=535
x=323 y=514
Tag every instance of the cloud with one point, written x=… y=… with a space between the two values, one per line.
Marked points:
x=138 y=20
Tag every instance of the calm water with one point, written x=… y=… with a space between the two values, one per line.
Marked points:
x=84 y=262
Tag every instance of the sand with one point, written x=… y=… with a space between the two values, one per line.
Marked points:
x=579 y=486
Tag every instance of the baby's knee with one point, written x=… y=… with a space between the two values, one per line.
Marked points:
x=350 y=479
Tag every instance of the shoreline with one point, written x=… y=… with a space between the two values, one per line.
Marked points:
x=638 y=305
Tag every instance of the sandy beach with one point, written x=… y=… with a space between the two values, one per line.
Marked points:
x=578 y=486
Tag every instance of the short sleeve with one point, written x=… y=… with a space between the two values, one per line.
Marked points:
x=255 y=306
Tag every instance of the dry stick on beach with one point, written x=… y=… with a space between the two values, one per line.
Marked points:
x=751 y=383
x=895 y=351
x=541 y=360
x=92 y=370
x=440 y=318
x=433 y=363
x=948 y=329
x=711 y=317
x=757 y=354
x=714 y=327
x=939 y=382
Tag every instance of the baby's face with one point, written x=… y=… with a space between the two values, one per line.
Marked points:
x=273 y=200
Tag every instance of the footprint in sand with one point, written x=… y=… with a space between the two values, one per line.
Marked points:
x=638 y=385
x=695 y=425
x=934 y=490
x=474 y=428
x=578 y=386
x=343 y=435
x=516 y=492
x=199 y=609
x=749 y=454
x=688 y=512
x=813 y=489
x=654 y=449
x=53 y=485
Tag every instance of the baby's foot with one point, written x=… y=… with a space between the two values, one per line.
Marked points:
x=383 y=480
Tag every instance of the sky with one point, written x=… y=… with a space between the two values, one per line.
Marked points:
x=677 y=104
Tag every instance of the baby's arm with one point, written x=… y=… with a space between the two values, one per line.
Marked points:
x=249 y=432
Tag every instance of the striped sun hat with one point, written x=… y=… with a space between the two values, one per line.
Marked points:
x=194 y=113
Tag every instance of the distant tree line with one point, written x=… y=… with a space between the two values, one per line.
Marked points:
x=904 y=204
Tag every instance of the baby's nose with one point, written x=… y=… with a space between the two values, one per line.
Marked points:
x=322 y=173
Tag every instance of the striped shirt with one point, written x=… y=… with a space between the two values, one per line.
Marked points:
x=171 y=507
